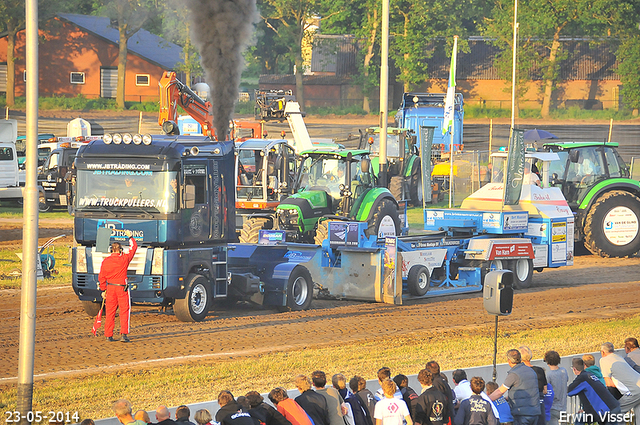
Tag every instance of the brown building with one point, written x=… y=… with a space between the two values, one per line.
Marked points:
x=588 y=77
x=78 y=55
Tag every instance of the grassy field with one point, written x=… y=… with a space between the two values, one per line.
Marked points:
x=11 y=267
x=92 y=396
x=10 y=210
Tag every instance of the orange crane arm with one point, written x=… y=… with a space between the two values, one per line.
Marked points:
x=174 y=93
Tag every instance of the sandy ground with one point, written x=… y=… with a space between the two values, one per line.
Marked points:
x=592 y=289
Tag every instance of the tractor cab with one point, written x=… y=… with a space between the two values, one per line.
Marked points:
x=336 y=185
x=582 y=165
x=342 y=177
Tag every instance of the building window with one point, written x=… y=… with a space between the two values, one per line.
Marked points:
x=142 y=79
x=76 y=77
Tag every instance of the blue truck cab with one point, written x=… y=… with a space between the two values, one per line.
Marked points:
x=427 y=110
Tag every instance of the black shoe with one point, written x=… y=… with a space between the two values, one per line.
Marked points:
x=110 y=339
x=124 y=338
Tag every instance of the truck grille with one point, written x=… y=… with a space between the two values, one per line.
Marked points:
x=156 y=282
x=136 y=265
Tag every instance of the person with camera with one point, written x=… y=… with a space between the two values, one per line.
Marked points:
x=113 y=284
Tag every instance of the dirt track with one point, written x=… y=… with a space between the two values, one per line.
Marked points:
x=593 y=288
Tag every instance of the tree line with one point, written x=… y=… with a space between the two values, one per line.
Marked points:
x=285 y=26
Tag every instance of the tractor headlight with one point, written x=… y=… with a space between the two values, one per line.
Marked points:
x=288 y=218
x=157 y=262
x=117 y=138
x=127 y=138
x=81 y=260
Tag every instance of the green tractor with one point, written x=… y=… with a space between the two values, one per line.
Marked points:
x=404 y=172
x=606 y=202
x=334 y=185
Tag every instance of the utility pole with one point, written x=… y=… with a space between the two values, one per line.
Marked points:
x=30 y=222
x=384 y=93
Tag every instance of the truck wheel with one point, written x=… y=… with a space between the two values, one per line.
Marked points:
x=195 y=305
x=251 y=229
x=322 y=232
x=604 y=235
x=42 y=203
x=299 y=290
x=522 y=273
x=418 y=280
x=91 y=308
x=385 y=220
x=395 y=187
x=415 y=185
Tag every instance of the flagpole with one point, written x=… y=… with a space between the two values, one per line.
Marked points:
x=513 y=71
x=513 y=92
x=452 y=118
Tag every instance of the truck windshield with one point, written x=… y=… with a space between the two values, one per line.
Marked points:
x=127 y=190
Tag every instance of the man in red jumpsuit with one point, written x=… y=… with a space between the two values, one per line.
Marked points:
x=113 y=280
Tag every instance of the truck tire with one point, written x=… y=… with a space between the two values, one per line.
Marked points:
x=91 y=308
x=322 y=232
x=599 y=236
x=418 y=280
x=385 y=218
x=522 y=272
x=195 y=305
x=299 y=290
x=251 y=229
x=42 y=203
x=395 y=187
x=415 y=184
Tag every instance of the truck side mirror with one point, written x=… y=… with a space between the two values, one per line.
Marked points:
x=190 y=196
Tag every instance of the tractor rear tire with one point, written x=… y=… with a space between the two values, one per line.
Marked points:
x=42 y=202
x=395 y=187
x=250 y=232
x=384 y=221
x=600 y=235
x=415 y=184
x=322 y=232
x=195 y=305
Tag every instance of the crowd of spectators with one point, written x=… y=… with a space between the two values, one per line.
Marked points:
x=529 y=395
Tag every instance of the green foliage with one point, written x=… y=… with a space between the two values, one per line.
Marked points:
x=330 y=110
x=244 y=108
x=143 y=106
x=474 y=111
x=81 y=103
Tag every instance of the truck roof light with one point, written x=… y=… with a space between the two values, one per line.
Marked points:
x=194 y=151
x=107 y=139
x=137 y=139
x=146 y=139
x=127 y=138
x=65 y=145
x=117 y=138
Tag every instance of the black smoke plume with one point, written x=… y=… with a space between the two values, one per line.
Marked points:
x=222 y=29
